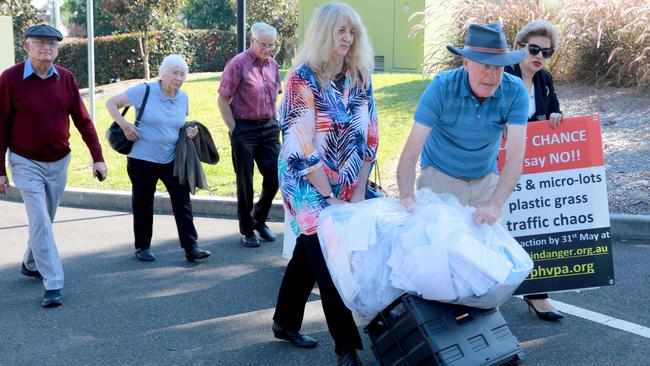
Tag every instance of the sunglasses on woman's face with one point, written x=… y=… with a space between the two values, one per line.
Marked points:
x=534 y=50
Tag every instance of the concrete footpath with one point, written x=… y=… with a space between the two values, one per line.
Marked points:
x=120 y=311
x=623 y=226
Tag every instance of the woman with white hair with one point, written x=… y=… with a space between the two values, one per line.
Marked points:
x=330 y=135
x=153 y=153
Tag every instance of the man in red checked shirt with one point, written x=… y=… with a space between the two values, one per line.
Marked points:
x=250 y=84
x=36 y=100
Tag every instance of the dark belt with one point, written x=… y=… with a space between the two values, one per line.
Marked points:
x=253 y=121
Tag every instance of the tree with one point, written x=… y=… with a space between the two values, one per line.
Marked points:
x=24 y=15
x=209 y=14
x=142 y=17
x=281 y=14
x=75 y=14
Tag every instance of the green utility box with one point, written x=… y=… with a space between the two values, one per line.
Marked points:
x=388 y=25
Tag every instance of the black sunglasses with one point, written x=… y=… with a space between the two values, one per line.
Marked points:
x=534 y=49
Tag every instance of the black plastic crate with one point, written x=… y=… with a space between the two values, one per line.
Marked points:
x=412 y=331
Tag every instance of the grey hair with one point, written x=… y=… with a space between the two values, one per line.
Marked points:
x=540 y=28
x=171 y=61
x=261 y=27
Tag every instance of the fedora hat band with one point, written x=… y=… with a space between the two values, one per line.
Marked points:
x=486 y=49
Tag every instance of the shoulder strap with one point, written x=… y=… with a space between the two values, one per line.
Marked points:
x=144 y=103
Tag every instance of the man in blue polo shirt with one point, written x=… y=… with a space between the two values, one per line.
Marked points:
x=458 y=126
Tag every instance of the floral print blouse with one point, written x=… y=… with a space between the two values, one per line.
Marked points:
x=330 y=129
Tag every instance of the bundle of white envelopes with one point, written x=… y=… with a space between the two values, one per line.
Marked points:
x=375 y=250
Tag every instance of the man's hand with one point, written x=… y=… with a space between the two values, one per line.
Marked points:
x=408 y=203
x=4 y=185
x=101 y=168
x=554 y=120
x=488 y=214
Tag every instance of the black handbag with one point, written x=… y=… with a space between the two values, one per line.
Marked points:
x=115 y=134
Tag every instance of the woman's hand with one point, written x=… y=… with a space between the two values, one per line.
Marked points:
x=554 y=120
x=131 y=132
x=335 y=201
x=191 y=132
x=357 y=196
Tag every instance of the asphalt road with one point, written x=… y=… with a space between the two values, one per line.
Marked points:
x=119 y=311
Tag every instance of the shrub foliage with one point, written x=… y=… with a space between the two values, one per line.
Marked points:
x=601 y=41
x=118 y=56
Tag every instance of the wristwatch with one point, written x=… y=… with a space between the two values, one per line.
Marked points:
x=330 y=195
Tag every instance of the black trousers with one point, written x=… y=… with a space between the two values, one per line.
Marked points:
x=144 y=176
x=306 y=268
x=537 y=296
x=255 y=143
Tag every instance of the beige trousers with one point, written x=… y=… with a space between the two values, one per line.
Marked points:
x=470 y=192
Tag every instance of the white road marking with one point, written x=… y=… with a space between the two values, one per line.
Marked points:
x=601 y=318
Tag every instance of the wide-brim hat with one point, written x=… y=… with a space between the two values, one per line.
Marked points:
x=486 y=44
x=43 y=31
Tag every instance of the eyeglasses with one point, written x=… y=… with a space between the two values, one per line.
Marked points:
x=534 y=50
x=268 y=46
x=45 y=42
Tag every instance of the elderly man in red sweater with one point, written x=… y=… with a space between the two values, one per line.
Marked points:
x=36 y=99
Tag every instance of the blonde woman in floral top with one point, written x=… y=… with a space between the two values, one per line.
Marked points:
x=329 y=143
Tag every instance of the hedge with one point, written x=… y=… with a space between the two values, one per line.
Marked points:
x=118 y=57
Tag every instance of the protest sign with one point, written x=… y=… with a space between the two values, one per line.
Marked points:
x=558 y=210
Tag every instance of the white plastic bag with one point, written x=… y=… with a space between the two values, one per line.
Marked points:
x=356 y=240
x=375 y=251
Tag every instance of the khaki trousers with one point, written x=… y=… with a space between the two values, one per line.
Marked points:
x=470 y=192
x=41 y=186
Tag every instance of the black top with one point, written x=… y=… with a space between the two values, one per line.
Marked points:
x=545 y=99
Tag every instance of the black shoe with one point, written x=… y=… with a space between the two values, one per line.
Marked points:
x=265 y=232
x=145 y=254
x=552 y=315
x=195 y=253
x=297 y=338
x=250 y=241
x=52 y=299
x=26 y=272
x=348 y=358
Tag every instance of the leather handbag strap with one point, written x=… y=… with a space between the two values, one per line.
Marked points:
x=377 y=175
x=144 y=103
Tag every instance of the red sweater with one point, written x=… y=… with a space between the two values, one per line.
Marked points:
x=34 y=114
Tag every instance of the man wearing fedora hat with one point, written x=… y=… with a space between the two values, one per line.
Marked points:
x=458 y=126
x=36 y=100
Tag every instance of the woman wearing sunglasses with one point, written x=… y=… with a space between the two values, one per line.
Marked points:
x=539 y=38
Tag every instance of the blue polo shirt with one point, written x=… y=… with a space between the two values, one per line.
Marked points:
x=465 y=133
x=161 y=123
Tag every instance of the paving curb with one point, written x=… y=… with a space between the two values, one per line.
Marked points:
x=630 y=227
x=121 y=201
x=623 y=226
